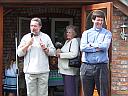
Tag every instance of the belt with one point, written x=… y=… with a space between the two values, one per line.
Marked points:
x=93 y=63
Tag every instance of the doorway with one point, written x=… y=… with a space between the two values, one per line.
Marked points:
x=86 y=24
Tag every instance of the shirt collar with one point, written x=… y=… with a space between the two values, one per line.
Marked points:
x=36 y=34
x=97 y=29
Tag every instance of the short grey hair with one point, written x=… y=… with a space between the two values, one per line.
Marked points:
x=74 y=28
x=37 y=20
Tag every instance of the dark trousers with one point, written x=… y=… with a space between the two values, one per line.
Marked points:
x=69 y=85
x=92 y=75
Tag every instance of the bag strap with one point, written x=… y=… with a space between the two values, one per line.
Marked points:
x=70 y=46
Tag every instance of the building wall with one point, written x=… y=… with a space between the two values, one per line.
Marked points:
x=119 y=64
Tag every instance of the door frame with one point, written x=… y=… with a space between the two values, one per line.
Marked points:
x=108 y=6
x=1 y=48
x=109 y=14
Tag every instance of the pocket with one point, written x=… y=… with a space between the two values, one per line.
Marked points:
x=83 y=69
x=105 y=69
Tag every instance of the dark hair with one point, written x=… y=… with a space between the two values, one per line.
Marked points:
x=10 y=58
x=37 y=20
x=98 y=13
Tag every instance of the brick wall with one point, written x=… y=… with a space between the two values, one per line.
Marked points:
x=119 y=64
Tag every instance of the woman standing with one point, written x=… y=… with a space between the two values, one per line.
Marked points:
x=68 y=51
